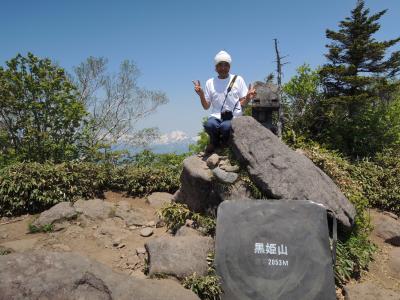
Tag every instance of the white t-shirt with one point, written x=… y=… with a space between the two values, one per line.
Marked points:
x=215 y=92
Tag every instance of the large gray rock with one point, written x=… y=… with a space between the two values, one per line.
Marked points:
x=94 y=208
x=47 y=275
x=283 y=173
x=370 y=291
x=196 y=185
x=59 y=212
x=201 y=190
x=387 y=228
x=179 y=256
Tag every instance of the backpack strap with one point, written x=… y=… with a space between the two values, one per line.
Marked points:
x=228 y=90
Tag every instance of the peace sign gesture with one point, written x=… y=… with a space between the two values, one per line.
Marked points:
x=197 y=87
x=251 y=92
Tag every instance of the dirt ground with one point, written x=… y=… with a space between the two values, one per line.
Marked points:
x=108 y=241
x=114 y=244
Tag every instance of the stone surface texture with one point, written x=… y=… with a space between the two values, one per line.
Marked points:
x=283 y=173
x=52 y=275
x=179 y=256
x=59 y=212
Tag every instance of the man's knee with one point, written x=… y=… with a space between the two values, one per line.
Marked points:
x=211 y=125
x=225 y=127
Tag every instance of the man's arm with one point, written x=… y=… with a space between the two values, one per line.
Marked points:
x=206 y=105
x=250 y=95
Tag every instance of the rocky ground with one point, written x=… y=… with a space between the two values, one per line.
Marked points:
x=115 y=235
x=107 y=239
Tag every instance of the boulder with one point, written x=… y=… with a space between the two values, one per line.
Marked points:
x=58 y=213
x=56 y=275
x=387 y=228
x=281 y=173
x=202 y=189
x=158 y=200
x=196 y=185
x=179 y=256
x=94 y=208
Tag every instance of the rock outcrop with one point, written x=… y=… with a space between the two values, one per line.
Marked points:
x=282 y=173
x=203 y=188
x=52 y=275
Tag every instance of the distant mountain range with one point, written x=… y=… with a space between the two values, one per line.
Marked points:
x=173 y=142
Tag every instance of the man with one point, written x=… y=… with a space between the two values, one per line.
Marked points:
x=226 y=95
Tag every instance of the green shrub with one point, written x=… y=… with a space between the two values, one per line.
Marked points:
x=207 y=287
x=175 y=215
x=380 y=180
x=352 y=256
x=45 y=228
x=34 y=187
x=140 y=180
x=148 y=158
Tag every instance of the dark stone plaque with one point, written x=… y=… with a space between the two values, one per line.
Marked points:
x=268 y=249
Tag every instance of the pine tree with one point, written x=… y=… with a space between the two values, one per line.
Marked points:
x=358 y=79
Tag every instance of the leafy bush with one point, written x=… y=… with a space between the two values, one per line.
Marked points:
x=140 y=180
x=352 y=257
x=148 y=158
x=45 y=228
x=380 y=180
x=34 y=187
x=175 y=215
x=206 y=287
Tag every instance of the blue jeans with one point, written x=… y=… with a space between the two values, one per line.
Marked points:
x=219 y=131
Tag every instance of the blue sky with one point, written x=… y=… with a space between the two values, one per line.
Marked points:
x=174 y=42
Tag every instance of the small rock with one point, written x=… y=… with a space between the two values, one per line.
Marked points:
x=230 y=168
x=189 y=223
x=94 y=227
x=4 y=236
x=141 y=250
x=212 y=161
x=187 y=231
x=147 y=231
x=133 y=227
x=151 y=224
x=225 y=177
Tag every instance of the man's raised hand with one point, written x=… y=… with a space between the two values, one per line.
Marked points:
x=251 y=93
x=197 y=87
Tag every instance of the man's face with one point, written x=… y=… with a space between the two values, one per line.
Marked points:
x=222 y=69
